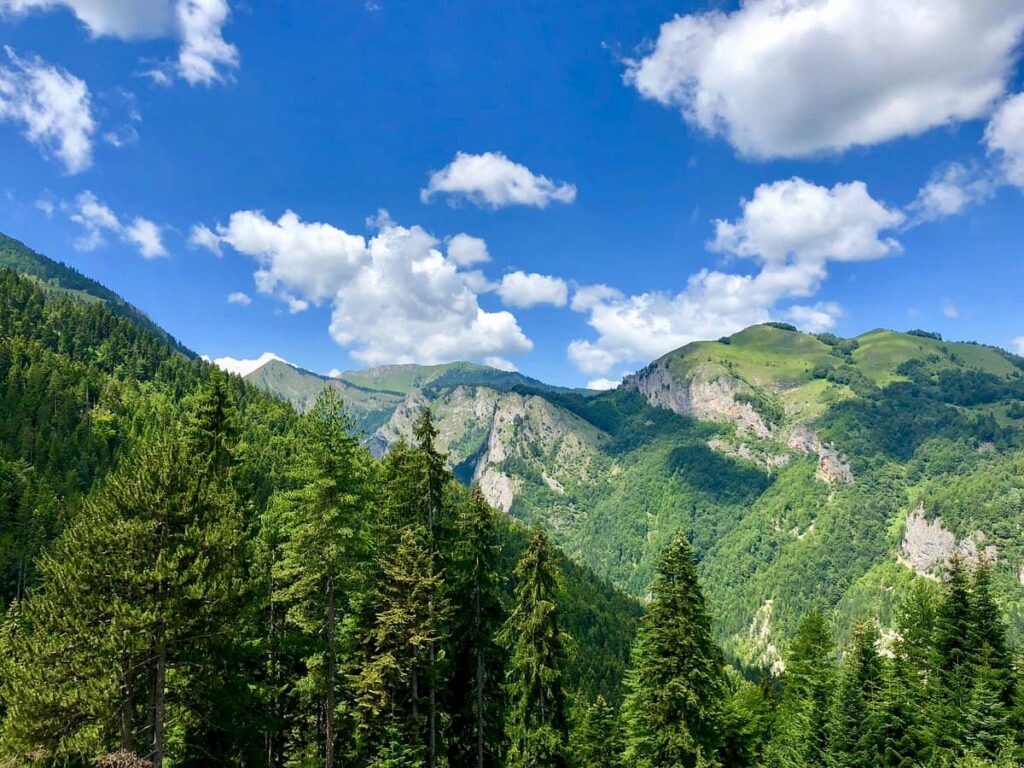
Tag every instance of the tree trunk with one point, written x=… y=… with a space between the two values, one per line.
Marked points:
x=479 y=708
x=159 y=698
x=432 y=742
x=331 y=673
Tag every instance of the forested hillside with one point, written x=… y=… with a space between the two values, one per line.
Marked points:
x=167 y=532
x=810 y=472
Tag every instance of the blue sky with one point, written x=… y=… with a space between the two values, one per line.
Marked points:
x=639 y=177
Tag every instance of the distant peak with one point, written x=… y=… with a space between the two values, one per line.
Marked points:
x=243 y=367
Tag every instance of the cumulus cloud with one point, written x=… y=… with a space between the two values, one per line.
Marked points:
x=603 y=384
x=815 y=318
x=98 y=220
x=239 y=297
x=788 y=78
x=243 y=367
x=204 y=56
x=519 y=289
x=492 y=180
x=950 y=310
x=466 y=250
x=791 y=229
x=949 y=192
x=53 y=107
x=500 y=363
x=1004 y=137
x=395 y=297
x=1018 y=345
x=296 y=258
x=409 y=303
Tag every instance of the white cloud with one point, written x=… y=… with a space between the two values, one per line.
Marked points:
x=466 y=250
x=53 y=106
x=500 y=363
x=586 y=297
x=1018 y=344
x=201 y=236
x=243 y=367
x=396 y=298
x=311 y=260
x=1004 y=137
x=519 y=289
x=144 y=234
x=492 y=180
x=239 y=297
x=950 y=310
x=46 y=206
x=603 y=384
x=803 y=222
x=204 y=56
x=411 y=304
x=126 y=19
x=791 y=229
x=787 y=78
x=949 y=192
x=816 y=318
x=334 y=373
x=98 y=220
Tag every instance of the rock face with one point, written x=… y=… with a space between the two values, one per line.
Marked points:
x=832 y=467
x=759 y=636
x=706 y=395
x=767 y=459
x=486 y=428
x=927 y=546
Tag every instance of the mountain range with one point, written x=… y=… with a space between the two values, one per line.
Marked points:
x=809 y=471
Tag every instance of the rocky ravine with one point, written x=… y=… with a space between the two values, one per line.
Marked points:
x=488 y=428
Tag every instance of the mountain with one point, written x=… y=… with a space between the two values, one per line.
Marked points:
x=61 y=279
x=809 y=471
x=84 y=377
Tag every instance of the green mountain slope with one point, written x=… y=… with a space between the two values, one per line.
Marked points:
x=81 y=383
x=62 y=279
x=809 y=471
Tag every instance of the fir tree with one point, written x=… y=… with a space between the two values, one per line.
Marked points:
x=673 y=711
x=536 y=726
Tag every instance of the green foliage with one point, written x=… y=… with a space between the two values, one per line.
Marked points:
x=673 y=711
x=536 y=724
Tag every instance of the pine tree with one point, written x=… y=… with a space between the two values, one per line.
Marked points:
x=597 y=739
x=132 y=595
x=478 y=669
x=536 y=725
x=321 y=545
x=673 y=711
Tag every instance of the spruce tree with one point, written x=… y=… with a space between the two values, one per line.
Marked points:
x=321 y=518
x=391 y=700
x=478 y=661
x=673 y=710
x=536 y=726
x=597 y=738
x=856 y=739
x=801 y=730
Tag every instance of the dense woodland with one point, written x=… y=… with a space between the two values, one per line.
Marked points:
x=193 y=574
